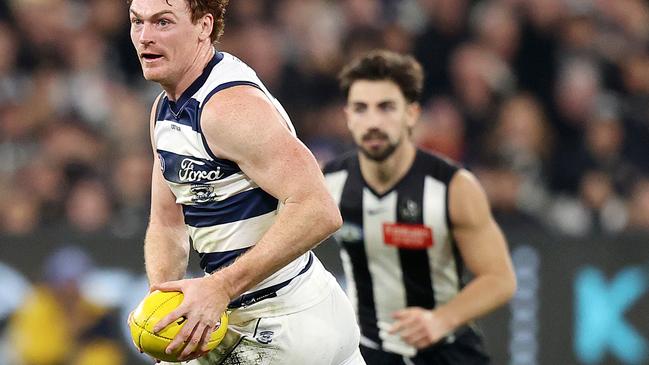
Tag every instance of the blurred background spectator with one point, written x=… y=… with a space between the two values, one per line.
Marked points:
x=56 y=325
x=546 y=100
x=556 y=88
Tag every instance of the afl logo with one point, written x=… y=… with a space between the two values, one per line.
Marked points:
x=162 y=162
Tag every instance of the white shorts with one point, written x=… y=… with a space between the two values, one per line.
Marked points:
x=324 y=333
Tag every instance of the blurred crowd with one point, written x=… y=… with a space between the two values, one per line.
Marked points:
x=547 y=101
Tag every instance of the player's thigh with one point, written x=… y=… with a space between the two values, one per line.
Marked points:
x=327 y=331
x=325 y=334
x=355 y=359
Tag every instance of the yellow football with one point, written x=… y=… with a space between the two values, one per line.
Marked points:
x=152 y=309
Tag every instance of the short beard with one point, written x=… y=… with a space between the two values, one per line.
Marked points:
x=379 y=156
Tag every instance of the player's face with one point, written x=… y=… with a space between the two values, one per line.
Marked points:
x=164 y=37
x=379 y=117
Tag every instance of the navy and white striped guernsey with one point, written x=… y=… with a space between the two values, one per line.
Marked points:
x=397 y=247
x=226 y=213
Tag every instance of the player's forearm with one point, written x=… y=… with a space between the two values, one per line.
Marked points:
x=298 y=228
x=481 y=296
x=166 y=252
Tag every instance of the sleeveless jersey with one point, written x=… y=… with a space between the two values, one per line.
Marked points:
x=397 y=249
x=225 y=212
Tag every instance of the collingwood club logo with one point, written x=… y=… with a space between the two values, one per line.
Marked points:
x=190 y=171
x=410 y=210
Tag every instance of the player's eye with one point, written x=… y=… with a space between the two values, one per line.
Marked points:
x=164 y=22
x=387 y=107
x=136 y=21
x=358 y=108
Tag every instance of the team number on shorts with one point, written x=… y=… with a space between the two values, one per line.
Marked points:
x=408 y=236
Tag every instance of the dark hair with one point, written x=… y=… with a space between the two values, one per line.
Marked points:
x=377 y=65
x=198 y=8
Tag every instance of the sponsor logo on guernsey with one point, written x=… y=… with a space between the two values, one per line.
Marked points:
x=408 y=236
x=190 y=171
x=375 y=211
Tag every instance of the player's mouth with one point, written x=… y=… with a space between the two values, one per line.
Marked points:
x=149 y=57
x=375 y=144
x=375 y=138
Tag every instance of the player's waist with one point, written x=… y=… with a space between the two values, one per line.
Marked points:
x=272 y=285
x=461 y=336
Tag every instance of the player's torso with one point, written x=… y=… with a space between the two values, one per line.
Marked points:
x=398 y=249
x=226 y=213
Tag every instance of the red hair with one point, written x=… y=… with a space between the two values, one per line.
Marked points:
x=198 y=8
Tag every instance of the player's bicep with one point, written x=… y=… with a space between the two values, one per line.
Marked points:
x=282 y=169
x=481 y=242
x=250 y=131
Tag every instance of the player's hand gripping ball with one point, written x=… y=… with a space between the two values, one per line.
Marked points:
x=152 y=309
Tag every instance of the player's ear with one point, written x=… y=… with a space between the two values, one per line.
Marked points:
x=348 y=112
x=413 y=111
x=207 y=24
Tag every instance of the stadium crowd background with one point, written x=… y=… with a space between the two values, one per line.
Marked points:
x=547 y=101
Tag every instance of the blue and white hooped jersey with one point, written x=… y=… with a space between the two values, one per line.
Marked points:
x=226 y=213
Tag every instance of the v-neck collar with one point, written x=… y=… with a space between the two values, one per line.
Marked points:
x=395 y=185
x=177 y=106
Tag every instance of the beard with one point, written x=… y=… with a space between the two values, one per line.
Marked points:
x=378 y=154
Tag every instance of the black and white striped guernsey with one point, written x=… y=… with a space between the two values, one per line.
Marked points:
x=397 y=248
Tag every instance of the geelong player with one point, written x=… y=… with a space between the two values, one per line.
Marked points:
x=231 y=178
x=412 y=221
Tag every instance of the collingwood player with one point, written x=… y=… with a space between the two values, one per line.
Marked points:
x=411 y=222
x=231 y=178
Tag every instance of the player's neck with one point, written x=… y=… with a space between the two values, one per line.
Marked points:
x=203 y=57
x=382 y=176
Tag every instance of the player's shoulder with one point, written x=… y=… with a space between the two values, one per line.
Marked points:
x=223 y=72
x=434 y=158
x=230 y=67
x=438 y=166
x=342 y=162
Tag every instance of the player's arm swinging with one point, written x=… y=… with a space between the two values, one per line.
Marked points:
x=484 y=251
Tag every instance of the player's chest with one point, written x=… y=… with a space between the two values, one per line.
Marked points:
x=396 y=220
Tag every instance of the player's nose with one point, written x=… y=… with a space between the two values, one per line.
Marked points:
x=146 y=35
x=373 y=119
